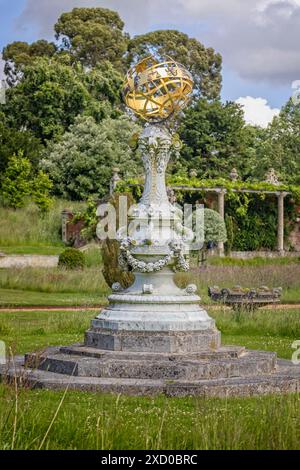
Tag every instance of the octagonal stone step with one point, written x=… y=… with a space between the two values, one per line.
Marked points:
x=250 y=364
x=286 y=379
x=79 y=349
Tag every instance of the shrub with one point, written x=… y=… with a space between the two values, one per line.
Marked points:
x=111 y=270
x=110 y=252
x=19 y=183
x=71 y=259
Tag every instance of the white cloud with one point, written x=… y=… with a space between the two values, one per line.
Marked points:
x=258 y=39
x=257 y=111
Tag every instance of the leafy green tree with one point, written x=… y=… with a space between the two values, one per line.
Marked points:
x=16 y=181
x=104 y=84
x=47 y=99
x=13 y=141
x=19 y=54
x=208 y=226
x=216 y=139
x=92 y=35
x=40 y=190
x=204 y=63
x=81 y=163
x=20 y=183
x=51 y=94
x=280 y=147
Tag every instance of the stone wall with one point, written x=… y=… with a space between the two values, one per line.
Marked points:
x=294 y=237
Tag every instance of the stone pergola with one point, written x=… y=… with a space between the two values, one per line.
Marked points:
x=221 y=193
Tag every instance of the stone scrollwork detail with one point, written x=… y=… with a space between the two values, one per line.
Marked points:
x=182 y=264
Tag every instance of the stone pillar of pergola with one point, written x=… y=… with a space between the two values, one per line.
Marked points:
x=221 y=210
x=280 y=224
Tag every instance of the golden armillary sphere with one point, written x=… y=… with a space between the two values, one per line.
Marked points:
x=156 y=90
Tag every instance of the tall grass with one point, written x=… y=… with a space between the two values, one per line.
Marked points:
x=91 y=281
x=32 y=331
x=79 y=420
x=286 y=276
x=257 y=261
x=28 y=226
x=33 y=419
x=283 y=323
x=53 y=280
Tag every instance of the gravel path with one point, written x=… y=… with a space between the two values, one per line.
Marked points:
x=24 y=261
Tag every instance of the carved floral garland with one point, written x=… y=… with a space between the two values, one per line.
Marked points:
x=126 y=259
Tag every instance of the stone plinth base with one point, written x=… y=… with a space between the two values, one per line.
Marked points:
x=229 y=371
x=154 y=341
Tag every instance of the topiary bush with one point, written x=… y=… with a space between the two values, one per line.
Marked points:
x=71 y=259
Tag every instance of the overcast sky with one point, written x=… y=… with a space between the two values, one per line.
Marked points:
x=258 y=39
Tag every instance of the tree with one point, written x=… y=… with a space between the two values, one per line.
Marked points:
x=40 y=190
x=19 y=54
x=20 y=183
x=216 y=139
x=104 y=84
x=51 y=94
x=280 y=147
x=209 y=227
x=92 y=35
x=47 y=100
x=204 y=63
x=81 y=163
x=13 y=141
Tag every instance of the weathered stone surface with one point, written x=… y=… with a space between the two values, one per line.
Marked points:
x=185 y=368
x=159 y=341
x=285 y=379
x=224 y=352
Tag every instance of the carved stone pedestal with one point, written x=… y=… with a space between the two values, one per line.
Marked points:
x=154 y=315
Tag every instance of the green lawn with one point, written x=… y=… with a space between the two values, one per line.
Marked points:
x=26 y=331
x=52 y=286
x=97 y=421
x=32 y=250
x=265 y=329
x=15 y=297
